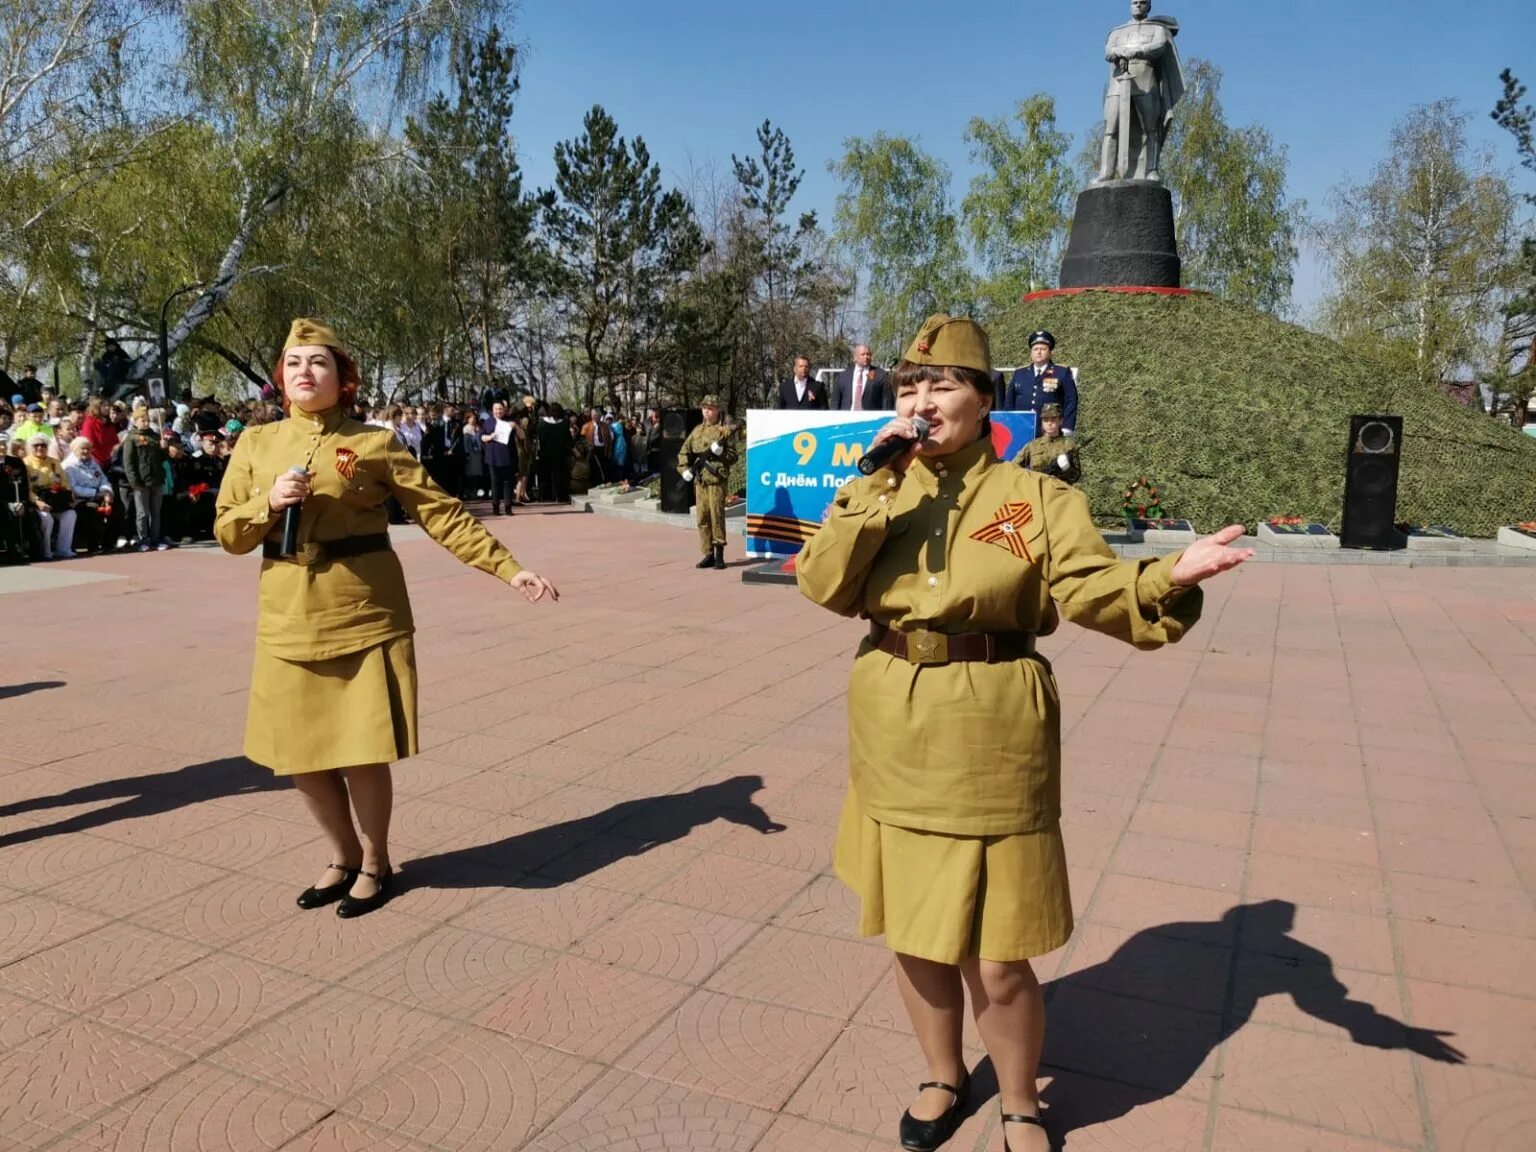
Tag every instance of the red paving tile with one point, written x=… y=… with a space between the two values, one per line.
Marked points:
x=581 y=961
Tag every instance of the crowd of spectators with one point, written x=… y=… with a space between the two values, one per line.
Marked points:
x=81 y=478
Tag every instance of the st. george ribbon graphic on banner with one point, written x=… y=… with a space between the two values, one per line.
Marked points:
x=798 y=459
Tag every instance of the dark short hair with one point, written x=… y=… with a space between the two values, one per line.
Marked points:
x=908 y=373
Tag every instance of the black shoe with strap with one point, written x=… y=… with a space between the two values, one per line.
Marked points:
x=352 y=907
x=1018 y=1118
x=927 y=1135
x=320 y=897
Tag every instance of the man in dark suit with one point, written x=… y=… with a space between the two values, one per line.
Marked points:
x=442 y=448
x=1043 y=382
x=862 y=388
x=802 y=391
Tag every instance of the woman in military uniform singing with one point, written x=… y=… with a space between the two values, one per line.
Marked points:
x=705 y=461
x=333 y=692
x=950 y=833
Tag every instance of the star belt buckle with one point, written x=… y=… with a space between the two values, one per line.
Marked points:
x=308 y=555
x=924 y=647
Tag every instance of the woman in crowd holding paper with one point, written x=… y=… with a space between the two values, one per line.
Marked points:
x=950 y=833
x=333 y=692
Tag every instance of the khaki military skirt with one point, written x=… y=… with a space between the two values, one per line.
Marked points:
x=953 y=898
x=308 y=716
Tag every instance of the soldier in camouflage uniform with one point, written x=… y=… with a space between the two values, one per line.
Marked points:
x=706 y=461
x=1051 y=452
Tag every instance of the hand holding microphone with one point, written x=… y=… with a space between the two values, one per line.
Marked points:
x=894 y=443
x=287 y=496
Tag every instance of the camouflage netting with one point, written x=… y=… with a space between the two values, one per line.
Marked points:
x=1239 y=417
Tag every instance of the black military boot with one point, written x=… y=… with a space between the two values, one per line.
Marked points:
x=720 y=557
x=707 y=562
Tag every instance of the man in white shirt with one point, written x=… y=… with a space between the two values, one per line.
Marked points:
x=861 y=388
x=802 y=391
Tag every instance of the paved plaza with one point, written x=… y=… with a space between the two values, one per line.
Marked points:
x=1303 y=849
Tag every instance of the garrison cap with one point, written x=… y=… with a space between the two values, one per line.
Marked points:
x=951 y=342
x=305 y=333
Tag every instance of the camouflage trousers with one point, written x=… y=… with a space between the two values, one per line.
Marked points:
x=711 y=514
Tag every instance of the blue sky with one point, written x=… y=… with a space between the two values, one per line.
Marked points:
x=695 y=78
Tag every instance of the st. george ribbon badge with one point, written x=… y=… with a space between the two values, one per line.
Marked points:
x=1007 y=529
x=346 y=462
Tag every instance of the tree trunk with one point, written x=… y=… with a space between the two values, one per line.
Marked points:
x=218 y=289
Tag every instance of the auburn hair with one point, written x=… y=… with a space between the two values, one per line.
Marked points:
x=346 y=372
x=908 y=373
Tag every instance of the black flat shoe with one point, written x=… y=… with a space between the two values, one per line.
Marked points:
x=1016 y=1118
x=927 y=1135
x=707 y=562
x=319 y=897
x=351 y=907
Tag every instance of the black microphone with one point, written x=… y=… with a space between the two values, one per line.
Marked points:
x=882 y=454
x=291 y=519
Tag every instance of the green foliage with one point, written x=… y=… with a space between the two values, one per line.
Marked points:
x=894 y=216
x=1422 y=249
x=1020 y=203
x=622 y=246
x=1236 y=230
x=1241 y=417
x=1513 y=373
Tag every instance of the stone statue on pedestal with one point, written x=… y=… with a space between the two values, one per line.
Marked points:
x=1145 y=82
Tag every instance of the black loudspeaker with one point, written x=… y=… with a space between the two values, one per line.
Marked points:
x=1370 y=483
x=676 y=423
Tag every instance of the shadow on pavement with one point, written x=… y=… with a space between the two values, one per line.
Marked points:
x=140 y=796
x=8 y=691
x=561 y=853
x=1130 y=1023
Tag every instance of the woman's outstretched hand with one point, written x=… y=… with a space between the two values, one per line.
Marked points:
x=1211 y=556
x=533 y=586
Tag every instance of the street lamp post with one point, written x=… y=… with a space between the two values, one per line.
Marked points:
x=165 y=343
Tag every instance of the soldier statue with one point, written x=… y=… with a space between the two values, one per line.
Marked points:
x=1145 y=82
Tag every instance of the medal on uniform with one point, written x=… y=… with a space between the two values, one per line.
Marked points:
x=346 y=463
x=1049 y=383
x=1007 y=529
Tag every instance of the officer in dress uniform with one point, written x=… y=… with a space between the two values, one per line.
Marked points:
x=1043 y=381
x=333 y=689
x=950 y=834
x=706 y=460
x=1051 y=453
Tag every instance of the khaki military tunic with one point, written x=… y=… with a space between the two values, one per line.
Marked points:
x=333 y=639
x=956 y=768
x=1042 y=455
x=711 y=475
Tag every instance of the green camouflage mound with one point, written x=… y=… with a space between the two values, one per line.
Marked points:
x=1238 y=417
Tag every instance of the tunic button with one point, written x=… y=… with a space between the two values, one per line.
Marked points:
x=891 y=482
x=933 y=581
x=884 y=499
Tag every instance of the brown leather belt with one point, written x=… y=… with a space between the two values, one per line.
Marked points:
x=318 y=552
x=920 y=646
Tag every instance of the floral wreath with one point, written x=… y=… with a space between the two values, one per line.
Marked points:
x=1142 y=501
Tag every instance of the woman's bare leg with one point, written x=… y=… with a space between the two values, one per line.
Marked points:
x=325 y=795
x=373 y=798
x=935 y=1003
x=1010 y=1015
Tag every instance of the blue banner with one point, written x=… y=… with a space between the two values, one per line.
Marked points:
x=797 y=460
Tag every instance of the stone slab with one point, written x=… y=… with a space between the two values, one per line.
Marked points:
x=1311 y=543
x=1510 y=538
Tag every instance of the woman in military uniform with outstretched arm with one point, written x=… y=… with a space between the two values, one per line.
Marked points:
x=950 y=833
x=333 y=691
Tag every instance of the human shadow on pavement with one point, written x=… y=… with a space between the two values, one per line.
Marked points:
x=140 y=796
x=556 y=854
x=9 y=691
x=1139 y=1026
